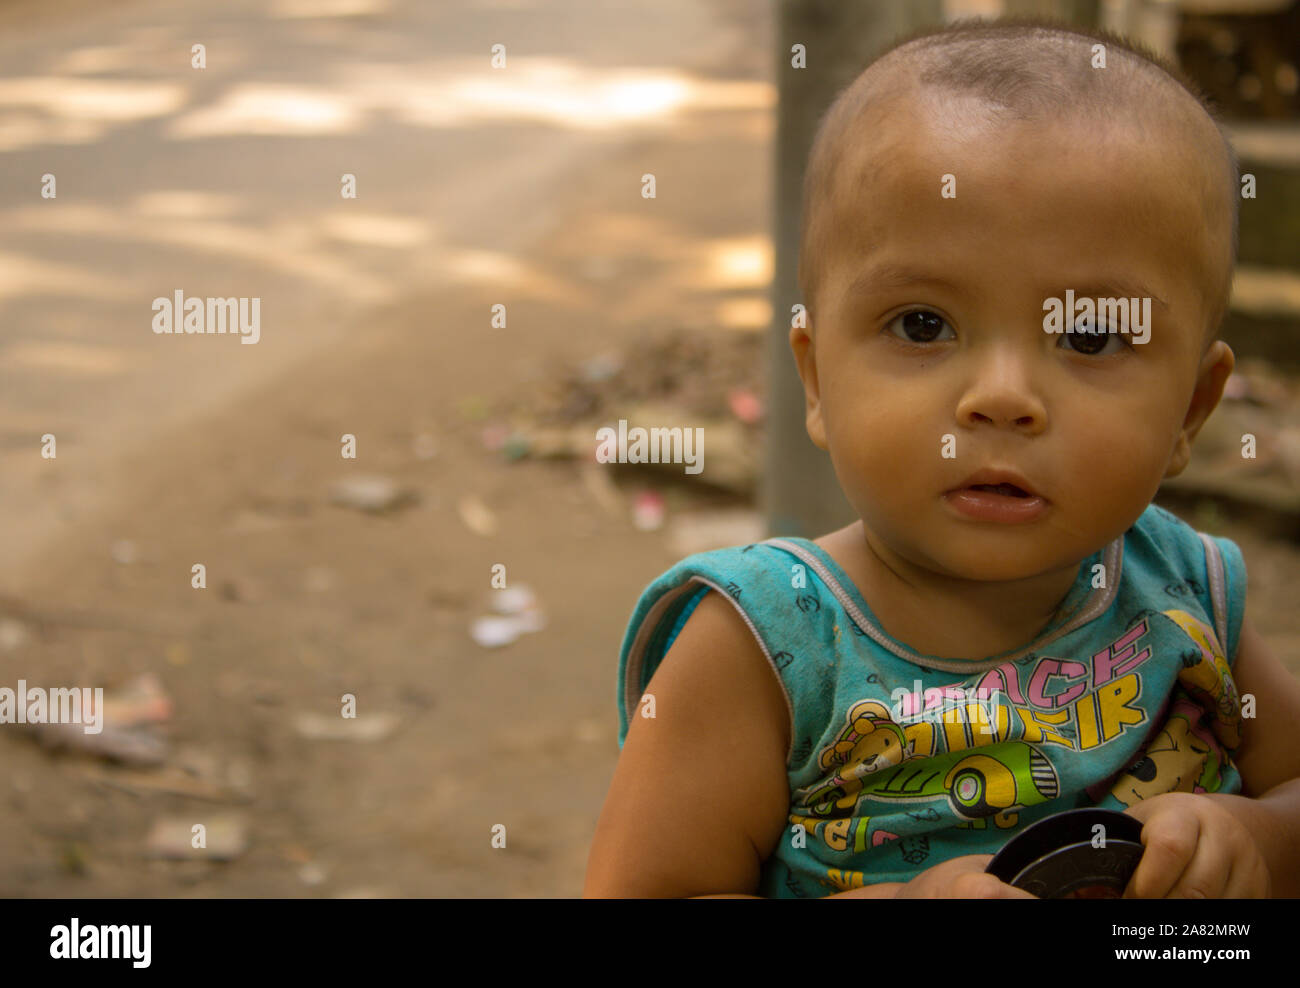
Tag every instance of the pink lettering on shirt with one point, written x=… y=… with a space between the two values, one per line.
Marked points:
x=1121 y=656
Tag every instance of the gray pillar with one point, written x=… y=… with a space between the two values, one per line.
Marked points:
x=799 y=493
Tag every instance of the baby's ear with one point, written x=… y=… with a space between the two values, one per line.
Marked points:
x=1216 y=367
x=1210 y=378
x=816 y=429
x=806 y=361
x=1180 y=457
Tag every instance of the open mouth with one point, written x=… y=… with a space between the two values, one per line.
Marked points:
x=1008 y=490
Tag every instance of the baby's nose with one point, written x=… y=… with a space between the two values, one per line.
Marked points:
x=1003 y=398
x=1001 y=413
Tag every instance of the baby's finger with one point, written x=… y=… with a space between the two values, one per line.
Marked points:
x=1206 y=876
x=1011 y=892
x=1169 y=842
x=1249 y=880
x=973 y=885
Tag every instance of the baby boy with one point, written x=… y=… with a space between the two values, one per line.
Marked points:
x=1018 y=242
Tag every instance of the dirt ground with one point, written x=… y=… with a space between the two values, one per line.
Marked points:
x=307 y=600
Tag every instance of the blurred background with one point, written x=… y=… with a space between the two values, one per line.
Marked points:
x=516 y=186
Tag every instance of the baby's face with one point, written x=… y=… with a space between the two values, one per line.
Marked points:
x=1039 y=209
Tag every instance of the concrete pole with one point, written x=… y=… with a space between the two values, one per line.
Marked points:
x=799 y=493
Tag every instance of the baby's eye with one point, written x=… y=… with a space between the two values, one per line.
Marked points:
x=920 y=325
x=1091 y=340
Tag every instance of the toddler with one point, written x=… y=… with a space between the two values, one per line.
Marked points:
x=1017 y=250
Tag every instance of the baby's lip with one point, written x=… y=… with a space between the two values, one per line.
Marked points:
x=997 y=476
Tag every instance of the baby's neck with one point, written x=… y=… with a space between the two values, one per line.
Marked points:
x=945 y=618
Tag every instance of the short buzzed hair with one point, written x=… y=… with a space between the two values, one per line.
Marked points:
x=1017 y=64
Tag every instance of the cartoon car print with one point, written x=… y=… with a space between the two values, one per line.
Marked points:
x=976 y=784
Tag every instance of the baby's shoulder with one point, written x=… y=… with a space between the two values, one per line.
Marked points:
x=717 y=637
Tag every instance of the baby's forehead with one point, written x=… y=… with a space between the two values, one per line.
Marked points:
x=926 y=144
x=902 y=94
x=912 y=124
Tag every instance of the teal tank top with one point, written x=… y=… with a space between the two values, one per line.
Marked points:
x=899 y=761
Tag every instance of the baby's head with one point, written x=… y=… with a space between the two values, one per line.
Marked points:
x=964 y=179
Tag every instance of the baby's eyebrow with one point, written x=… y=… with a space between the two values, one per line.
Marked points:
x=1116 y=288
x=891 y=275
x=897 y=276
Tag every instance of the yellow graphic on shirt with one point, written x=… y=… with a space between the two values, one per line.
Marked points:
x=1209 y=679
x=1187 y=754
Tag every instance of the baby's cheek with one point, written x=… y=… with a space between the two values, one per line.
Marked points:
x=876 y=440
x=1117 y=465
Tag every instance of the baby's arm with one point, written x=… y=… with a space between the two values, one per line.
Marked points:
x=699 y=796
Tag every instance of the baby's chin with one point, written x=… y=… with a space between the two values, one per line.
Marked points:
x=994 y=554
x=1009 y=568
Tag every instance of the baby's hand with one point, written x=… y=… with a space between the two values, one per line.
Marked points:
x=1195 y=849
x=960 y=878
